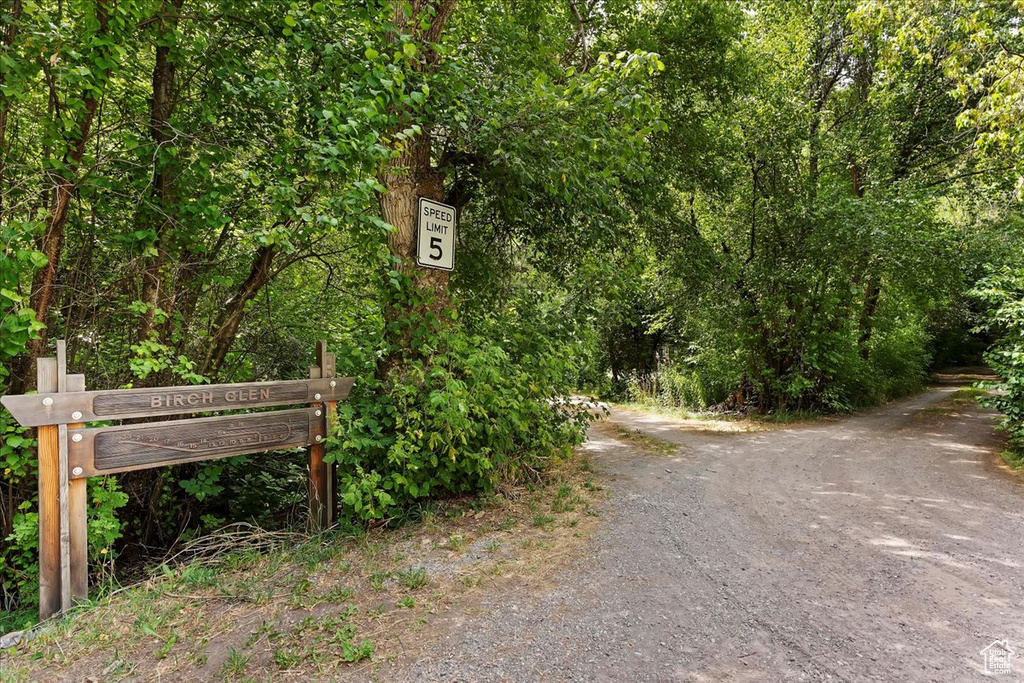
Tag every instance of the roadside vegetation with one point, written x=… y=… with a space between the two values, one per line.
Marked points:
x=249 y=604
x=758 y=208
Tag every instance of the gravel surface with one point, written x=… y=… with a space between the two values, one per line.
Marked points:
x=883 y=547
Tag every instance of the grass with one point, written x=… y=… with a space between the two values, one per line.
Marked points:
x=567 y=500
x=377 y=580
x=644 y=442
x=17 y=620
x=962 y=399
x=235 y=663
x=967 y=395
x=723 y=422
x=254 y=605
x=786 y=417
x=456 y=543
x=542 y=520
x=413 y=577
x=1013 y=457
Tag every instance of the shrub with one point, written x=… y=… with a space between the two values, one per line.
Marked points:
x=459 y=419
x=1003 y=293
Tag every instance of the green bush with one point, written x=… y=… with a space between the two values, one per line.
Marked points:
x=458 y=416
x=898 y=360
x=1003 y=293
x=691 y=386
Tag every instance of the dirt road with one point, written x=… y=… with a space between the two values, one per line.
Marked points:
x=883 y=547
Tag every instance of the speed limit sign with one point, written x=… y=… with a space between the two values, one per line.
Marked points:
x=435 y=224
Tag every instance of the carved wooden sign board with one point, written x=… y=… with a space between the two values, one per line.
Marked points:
x=134 y=447
x=79 y=452
x=34 y=410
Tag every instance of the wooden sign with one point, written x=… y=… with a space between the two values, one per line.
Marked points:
x=34 y=410
x=107 y=450
x=69 y=453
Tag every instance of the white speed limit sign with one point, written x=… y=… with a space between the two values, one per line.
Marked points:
x=435 y=224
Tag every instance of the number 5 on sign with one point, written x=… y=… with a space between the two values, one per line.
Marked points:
x=435 y=223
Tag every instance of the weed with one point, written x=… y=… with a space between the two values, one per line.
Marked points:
x=235 y=663
x=565 y=501
x=492 y=546
x=165 y=649
x=413 y=577
x=457 y=543
x=266 y=629
x=350 y=652
x=286 y=658
x=198 y=576
x=337 y=594
x=301 y=588
x=637 y=438
x=377 y=580
x=542 y=520
x=507 y=524
x=408 y=602
x=1014 y=459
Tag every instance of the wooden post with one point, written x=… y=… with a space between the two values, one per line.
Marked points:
x=62 y=471
x=78 y=513
x=329 y=367
x=49 y=498
x=320 y=513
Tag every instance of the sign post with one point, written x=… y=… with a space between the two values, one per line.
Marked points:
x=435 y=243
x=69 y=452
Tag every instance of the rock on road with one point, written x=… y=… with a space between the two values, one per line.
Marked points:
x=881 y=547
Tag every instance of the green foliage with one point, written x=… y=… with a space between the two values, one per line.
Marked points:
x=205 y=483
x=1003 y=295
x=816 y=267
x=456 y=423
x=464 y=410
x=19 y=561
x=695 y=202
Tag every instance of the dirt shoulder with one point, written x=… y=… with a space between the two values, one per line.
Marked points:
x=253 y=605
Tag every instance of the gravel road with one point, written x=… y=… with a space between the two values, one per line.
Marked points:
x=883 y=547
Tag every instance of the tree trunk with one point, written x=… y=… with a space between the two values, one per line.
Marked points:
x=156 y=286
x=406 y=178
x=871 y=299
x=230 y=317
